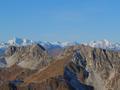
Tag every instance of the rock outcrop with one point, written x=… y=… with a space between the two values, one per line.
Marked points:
x=78 y=68
x=31 y=57
x=103 y=66
x=21 y=62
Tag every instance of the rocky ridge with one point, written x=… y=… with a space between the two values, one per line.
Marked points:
x=103 y=67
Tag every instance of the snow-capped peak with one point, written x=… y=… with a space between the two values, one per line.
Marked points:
x=100 y=44
x=65 y=44
x=19 y=41
x=56 y=43
x=104 y=44
x=59 y=44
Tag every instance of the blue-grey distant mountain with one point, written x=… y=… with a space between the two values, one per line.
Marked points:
x=104 y=44
x=56 y=47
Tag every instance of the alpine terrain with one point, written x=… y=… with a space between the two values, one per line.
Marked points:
x=41 y=65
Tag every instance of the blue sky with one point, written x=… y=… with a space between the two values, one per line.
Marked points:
x=60 y=20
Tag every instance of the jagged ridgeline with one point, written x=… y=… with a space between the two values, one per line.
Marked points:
x=30 y=57
x=79 y=67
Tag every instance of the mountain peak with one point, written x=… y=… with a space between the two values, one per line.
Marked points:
x=104 y=44
x=19 y=41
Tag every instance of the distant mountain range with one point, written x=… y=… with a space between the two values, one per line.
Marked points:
x=27 y=64
x=104 y=44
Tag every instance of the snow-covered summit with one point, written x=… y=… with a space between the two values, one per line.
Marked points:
x=22 y=42
x=65 y=44
x=19 y=41
x=59 y=44
x=100 y=44
x=104 y=44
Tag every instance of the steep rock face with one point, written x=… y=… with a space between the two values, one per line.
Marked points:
x=103 y=66
x=21 y=62
x=71 y=78
x=75 y=73
x=30 y=56
x=11 y=50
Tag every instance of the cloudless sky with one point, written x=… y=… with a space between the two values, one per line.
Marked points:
x=60 y=20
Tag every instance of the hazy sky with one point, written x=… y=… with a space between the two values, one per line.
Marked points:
x=60 y=20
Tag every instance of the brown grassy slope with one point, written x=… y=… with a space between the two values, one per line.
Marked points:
x=54 y=69
x=10 y=73
x=104 y=67
x=14 y=72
